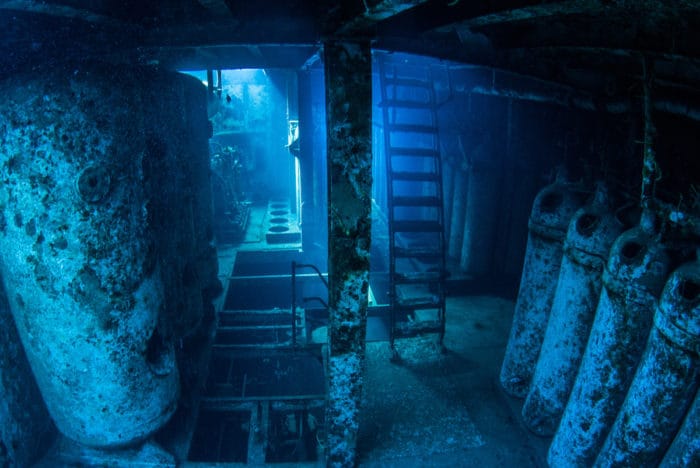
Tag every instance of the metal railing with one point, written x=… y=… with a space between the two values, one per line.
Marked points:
x=295 y=267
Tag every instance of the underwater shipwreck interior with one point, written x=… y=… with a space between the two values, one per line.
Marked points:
x=361 y=233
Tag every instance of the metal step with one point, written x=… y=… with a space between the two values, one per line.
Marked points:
x=416 y=201
x=421 y=254
x=417 y=278
x=427 y=278
x=411 y=329
x=416 y=304
x=408 y=82
x=406 y=104
x=264 y=336
x=417 y=226
x=411 y=128
x=415 y=176
x=231 y=318
x=418 y=152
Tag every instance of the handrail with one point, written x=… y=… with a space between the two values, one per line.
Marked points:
x=296 y=266
x=316 y=298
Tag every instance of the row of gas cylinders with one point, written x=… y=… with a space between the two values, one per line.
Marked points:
x=605 y=341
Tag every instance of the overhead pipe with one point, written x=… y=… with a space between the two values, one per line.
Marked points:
x=591 y=233
x=551 y=211
x=632 y=282
x=665 y=382
x=504 y=84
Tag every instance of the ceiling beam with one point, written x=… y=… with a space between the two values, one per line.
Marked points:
x=438 y=13
x=216 y=7
x=235 y=31
x=363 y=20
x=640 y=26
x=56 y=10
x=231 y=56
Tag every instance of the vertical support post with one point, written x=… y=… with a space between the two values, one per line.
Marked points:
x=349 y=127
x=306 y=161
x=294 y=305
x=649 y=167
x=257 y=437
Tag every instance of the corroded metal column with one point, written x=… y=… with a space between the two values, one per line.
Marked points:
x=348 y=108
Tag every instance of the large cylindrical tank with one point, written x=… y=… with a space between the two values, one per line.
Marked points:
x=685 y=449
x=632 y=282
x=666 y=380
x=86 y=162
x=551 y=212
x=182 y=215
x=26 y=430
x=591 y=233
x=196 y=166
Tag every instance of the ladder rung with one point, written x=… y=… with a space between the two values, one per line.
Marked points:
x=414 y=128
x=415 y=176
x=416 y=201
x=413 y=82
x=418 y=254
x=421 y=277
x=401 y=280
x=417 y=152
x=417 y=304
x=409 y=329
x=281 y=327
x=406 y=104
x=417 y=226
x=251 y=346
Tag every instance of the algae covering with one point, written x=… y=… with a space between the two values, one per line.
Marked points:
x=666 y=380
x=103 y=242
x=591 y=232
x=551 y=212
x=348 y=67
x=632 y=282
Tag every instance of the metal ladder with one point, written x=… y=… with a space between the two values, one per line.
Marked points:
x=415 y=199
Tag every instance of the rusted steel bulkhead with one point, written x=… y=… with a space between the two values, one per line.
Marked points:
x=591 y=233
x=551 y=212
x=666 y=380
x=632 y=282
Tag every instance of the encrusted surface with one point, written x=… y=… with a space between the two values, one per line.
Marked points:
x=25 y=426
x=685 y=449
x=551 y=212
x=662 y=389
x=96 y=206
x=349 y=164
x=591 y=233
x=632 y=282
